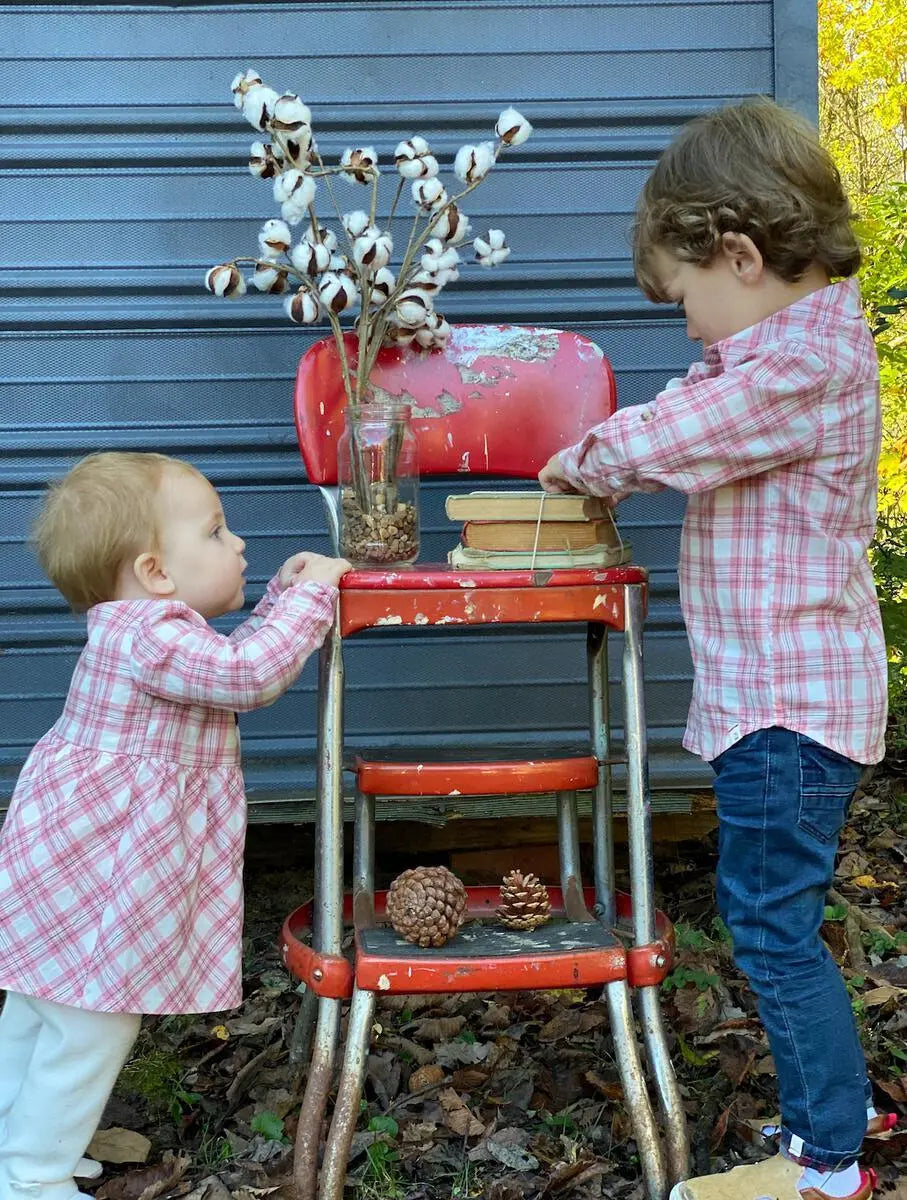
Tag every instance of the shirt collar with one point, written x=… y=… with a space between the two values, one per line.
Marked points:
x=830 y=305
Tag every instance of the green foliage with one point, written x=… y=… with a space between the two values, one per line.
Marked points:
x=157 y=1076
x=863 y=121
x=681 y=976
x=560 y=1122
x=270 y=1126
x=880 y=942
x=883 y=228
x=382 y=1174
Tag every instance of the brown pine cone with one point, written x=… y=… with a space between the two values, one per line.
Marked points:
x=524 y=901
x=426 y=905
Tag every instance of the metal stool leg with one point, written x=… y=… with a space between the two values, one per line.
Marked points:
x=349 y=1091
x=639 y=817
x=304 y=1027
x=626 y=1051
x=328 y=920
x=568 y=853
x=672 y=1111
x=362 y=1011
x=602 y=815
x=318 y=1084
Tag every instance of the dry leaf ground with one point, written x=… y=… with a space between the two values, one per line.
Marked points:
x=507 y=1096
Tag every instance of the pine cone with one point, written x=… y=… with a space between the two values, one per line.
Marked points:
x=524 y=901
x=426 y=905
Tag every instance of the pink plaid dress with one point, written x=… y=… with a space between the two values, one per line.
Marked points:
x=121 y=855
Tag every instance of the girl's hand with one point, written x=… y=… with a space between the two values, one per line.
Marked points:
x=314 y=568
x=291 y=568
x=552 y=477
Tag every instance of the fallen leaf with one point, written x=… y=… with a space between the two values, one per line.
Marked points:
x=508 y=1147
x=573 y=1175
x=148 y=1182
x=419 y=1131
x=467 y=1079
x=570 y=1021
x=457 y=1117
x=435 y=1029
x=210 y=1188
x=871 y=883
x=426 y=1076
x=240 y=1026
x=881 y=995
x=453 y=1054
x=895 y=1088
x=116 y=1145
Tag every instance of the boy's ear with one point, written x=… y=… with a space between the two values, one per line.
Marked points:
x=151 y=573
x=743 y=256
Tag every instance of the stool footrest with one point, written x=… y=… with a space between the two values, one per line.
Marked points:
x=503 y=778
x=485 y=957
x=482 y=957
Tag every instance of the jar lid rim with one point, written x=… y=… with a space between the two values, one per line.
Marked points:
x=380 y=407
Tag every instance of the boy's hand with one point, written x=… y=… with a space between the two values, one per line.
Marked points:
x=552 y=477
x=313 y=568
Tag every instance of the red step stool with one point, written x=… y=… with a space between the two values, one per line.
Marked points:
x=502 y=398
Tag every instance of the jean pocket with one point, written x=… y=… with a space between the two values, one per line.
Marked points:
x=827 y=784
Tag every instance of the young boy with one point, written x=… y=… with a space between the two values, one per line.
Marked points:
x=775 y=439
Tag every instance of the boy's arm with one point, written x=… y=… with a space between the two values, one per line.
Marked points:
x=176 y=655
x=703 y=432
x=258 y=613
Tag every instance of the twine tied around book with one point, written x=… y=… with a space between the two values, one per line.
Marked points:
x=538 y=530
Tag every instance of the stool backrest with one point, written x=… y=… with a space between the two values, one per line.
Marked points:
x=498 y=400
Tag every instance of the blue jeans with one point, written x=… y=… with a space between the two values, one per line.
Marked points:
x=782 y=800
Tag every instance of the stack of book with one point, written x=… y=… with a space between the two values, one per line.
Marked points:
x=534 y=529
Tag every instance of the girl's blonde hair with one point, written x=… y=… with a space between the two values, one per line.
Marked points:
x=753 y=168
x=96 y=518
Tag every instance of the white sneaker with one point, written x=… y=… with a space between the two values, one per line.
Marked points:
x=87 y=1168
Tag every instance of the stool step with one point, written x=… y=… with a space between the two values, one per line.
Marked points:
x=484 y=956
x=477 y=940
x=526 y=776
x=488 y=957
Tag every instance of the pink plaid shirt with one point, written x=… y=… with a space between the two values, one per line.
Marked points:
x=775 y=439
x=121 y=855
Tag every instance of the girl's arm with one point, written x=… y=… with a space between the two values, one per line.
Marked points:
x=254 y=621
x=177 y=656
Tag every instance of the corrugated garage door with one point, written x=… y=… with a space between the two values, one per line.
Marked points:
x=123 y=177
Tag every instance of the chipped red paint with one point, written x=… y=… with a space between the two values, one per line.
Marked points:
x=442 y=577
x=468 y=401
x=480 y=605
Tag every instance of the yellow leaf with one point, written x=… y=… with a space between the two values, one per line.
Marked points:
x=221 y=1031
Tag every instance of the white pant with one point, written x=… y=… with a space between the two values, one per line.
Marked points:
x=58 y=1065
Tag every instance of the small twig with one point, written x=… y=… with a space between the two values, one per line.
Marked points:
x=401 y=1101
x=252 y=1067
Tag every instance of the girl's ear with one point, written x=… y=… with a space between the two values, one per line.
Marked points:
x=151 y=574
x=743 y=256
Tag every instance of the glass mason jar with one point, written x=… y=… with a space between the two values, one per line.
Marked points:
x=378 y=475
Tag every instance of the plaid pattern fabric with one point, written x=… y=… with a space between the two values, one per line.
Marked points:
x=775 y=439
x=121 y=855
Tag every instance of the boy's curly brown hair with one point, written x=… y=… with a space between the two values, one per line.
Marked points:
x=754 y=168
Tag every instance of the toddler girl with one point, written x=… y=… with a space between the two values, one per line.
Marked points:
x=121 y=855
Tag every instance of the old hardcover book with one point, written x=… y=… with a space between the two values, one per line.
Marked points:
x=525 y=506
x=552 y=535
x=469 y=559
